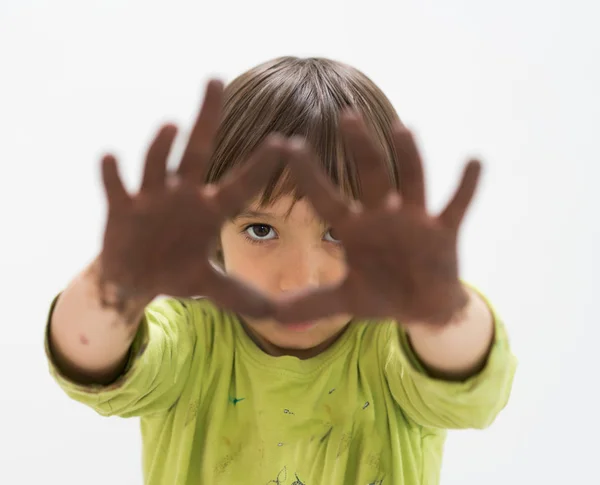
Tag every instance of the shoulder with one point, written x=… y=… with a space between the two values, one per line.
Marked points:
x=195 y=310
x=211 y=324
x=373 y=338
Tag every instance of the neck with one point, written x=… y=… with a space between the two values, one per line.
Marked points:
x=276 y=351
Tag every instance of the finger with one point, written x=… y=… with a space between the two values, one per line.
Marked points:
x=454 y=212
x=375 y=183
x=195 y=158
x=155 y=169
x=312 y=305
x=410 y=168
x=234 y=295
x=312 y=182
x=113 y=185
x=245 y=182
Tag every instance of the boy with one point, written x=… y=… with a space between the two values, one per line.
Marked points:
x=335 y=342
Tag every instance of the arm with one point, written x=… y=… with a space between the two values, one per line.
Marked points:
x=130 y=363
x=460 y=388
x=458 y=350
x=90 y=341
x=155 y=242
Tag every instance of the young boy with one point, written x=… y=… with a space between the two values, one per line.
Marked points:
x=334 y=343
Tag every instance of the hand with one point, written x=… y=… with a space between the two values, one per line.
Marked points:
x=402 y=261
x=158 y=241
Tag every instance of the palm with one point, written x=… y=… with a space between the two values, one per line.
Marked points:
x=397 y=262
x=402 y=262
x=158 y=241
x=168 y=230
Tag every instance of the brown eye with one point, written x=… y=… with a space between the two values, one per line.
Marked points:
x=331 y=236
x=261 y=232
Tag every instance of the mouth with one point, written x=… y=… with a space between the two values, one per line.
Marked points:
x=298 y=327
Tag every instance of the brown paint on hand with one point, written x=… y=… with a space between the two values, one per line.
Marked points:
x=111 y=296
x=158 y=241
x=402 y=260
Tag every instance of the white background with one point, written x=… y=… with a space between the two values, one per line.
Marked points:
x=515 y=82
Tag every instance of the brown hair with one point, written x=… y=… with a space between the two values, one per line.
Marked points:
x=296 y=96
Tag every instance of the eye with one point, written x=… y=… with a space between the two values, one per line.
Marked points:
x=331 y=237
x=260 y=232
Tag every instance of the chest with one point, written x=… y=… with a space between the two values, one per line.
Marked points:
x=278 y=420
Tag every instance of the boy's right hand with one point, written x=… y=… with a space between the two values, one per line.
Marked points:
x=159 y=240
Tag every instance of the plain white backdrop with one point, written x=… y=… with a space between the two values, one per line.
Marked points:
x=515 y=82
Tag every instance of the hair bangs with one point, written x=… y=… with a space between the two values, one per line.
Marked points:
x=301 y=97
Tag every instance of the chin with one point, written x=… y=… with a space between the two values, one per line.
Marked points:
x=295 y=341
x=305 y=336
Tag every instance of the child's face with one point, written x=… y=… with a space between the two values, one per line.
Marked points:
x=281 y=249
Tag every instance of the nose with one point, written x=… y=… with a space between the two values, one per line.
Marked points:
x=300 y=271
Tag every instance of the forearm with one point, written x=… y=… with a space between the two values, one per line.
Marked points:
x=88 y=338
x=459 y=349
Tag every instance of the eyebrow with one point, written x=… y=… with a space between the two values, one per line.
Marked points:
x=251 y=214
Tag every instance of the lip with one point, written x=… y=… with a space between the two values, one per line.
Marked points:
x=298 y=327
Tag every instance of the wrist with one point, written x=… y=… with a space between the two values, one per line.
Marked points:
x=460 y=348
x=454 y=310
x=115 y=295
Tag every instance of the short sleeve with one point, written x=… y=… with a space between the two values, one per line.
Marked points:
x=159 y=364
x=473 y=403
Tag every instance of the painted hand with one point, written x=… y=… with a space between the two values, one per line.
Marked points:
x=402 y=261
x=158 y=240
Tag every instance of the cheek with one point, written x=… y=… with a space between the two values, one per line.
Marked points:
x=244 y=260
x=335 y=268
x=250 y=270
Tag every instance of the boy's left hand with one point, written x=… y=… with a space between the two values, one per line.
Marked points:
x=402 y=261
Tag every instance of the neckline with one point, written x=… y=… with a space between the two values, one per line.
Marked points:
x=289 y=363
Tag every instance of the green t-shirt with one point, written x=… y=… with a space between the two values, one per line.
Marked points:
x=215 y=409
